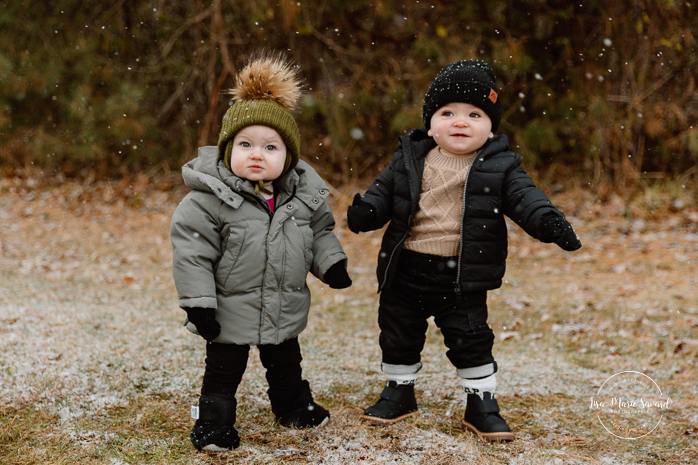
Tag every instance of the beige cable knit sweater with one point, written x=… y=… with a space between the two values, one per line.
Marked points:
x=436 y=228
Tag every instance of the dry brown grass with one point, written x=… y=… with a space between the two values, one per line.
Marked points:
x=95 y=367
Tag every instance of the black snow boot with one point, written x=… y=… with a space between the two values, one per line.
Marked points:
x=295 y=407
x=482 y=418
x=215 y=430
x=397 y=402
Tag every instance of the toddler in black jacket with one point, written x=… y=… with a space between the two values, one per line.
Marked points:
x=445 y=194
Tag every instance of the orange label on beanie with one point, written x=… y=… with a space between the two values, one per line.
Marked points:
x=492 y=96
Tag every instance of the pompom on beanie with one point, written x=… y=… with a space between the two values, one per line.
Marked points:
x=467 y=81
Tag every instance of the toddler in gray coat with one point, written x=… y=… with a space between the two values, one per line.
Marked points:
x=244 y=239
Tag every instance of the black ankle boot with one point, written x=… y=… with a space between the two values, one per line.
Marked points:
x=215 y=430
x=482 y=418
x=397 y=402
x=295 y=407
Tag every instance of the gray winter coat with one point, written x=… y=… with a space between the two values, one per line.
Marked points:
x=231 y=253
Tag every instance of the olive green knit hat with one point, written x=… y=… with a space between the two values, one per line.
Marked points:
x=266 y=92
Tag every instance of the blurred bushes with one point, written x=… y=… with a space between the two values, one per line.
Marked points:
x=112 y=88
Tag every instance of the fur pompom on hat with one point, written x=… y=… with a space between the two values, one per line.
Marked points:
x=266 y=91
x=467 y=81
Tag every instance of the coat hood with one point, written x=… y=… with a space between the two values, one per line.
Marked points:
x=208 y=173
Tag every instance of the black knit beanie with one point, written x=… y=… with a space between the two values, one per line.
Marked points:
x=467 y=81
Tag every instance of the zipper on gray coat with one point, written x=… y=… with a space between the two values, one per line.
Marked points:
x=264 y=204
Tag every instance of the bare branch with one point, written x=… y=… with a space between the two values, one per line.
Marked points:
x=180 y=30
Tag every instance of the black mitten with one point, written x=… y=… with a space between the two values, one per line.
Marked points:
x=205 y=321
x=559 y=230
x=360 y=215
x=337 y=276
x=569 y=240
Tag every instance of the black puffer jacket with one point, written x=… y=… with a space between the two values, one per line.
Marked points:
x=496 y=186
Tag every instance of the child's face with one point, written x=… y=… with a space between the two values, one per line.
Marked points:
x=259 y=153
x=460 y=129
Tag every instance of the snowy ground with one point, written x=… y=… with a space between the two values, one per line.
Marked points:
x=95 y=367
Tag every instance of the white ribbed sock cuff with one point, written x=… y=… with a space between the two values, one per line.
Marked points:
x=478 y=386
x=401 y=374
x=403 y=379
x=476 y=372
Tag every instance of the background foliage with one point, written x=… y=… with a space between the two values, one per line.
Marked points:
x=102 y=89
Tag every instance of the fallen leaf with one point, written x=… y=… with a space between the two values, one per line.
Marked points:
x=504 y=335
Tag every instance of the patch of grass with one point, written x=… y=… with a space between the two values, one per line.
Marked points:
x=95 y=367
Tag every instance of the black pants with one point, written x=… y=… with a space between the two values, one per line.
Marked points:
x=424 y=286
x=226 y=363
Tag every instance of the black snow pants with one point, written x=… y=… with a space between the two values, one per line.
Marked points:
x=424 y=286
x=226 y=363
